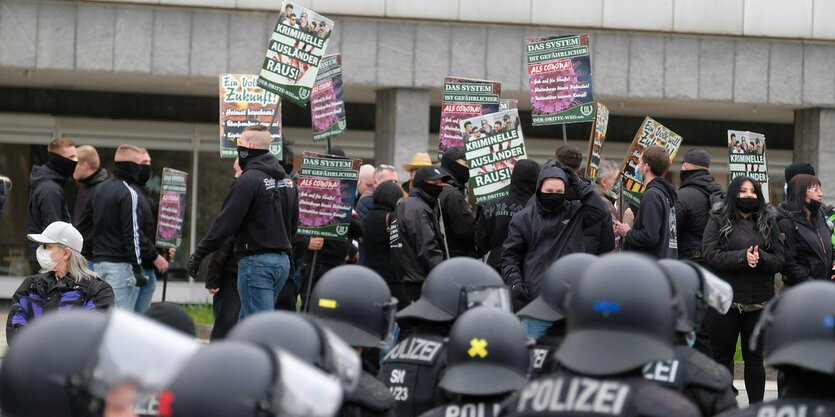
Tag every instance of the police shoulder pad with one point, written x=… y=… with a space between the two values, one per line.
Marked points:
x=702 y=371
x=655 y=401
x=371 y=393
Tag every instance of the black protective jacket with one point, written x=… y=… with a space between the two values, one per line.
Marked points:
x=537 y=238
x=654 y=231
x=415 y=237
x=261 y=211
x=369 y=399
x=693 y=211
x=491 y=231
x=459 y=221
x=148 y=210
x=726 y=255
x=809 y=253
x=82 y=215
x=47 y=203
x=116 y=225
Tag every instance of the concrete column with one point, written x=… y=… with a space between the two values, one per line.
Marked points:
x=402 y=126
x=814 y=142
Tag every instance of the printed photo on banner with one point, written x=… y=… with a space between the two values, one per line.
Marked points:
x=650 y=133
x=598 y=136
x=492 y=154
x=172 y=208
x=463 y=99
x=746 y=153
x=559 y=76
x=327 y=104
x=294 y=52
x=327 y=189
x=244 y=104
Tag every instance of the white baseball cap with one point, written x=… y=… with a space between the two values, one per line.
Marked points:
x=61 y=233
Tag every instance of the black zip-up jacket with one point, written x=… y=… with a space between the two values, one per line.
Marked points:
x=415 y=237
x=223 y=265
x=693 y=212
x=116 y=225
x=726 y=257
x=600 y=237
x=654 y=231
x=809 y=253
x=47 y=203
x=495 y=218
x=536 y=239
x=148 y=210
x=459 y=221
x=261 y=211
x=82 y=215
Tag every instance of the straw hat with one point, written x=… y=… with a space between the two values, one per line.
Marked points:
x=419 y=160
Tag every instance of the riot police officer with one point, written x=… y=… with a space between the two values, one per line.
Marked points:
x=487 y=360
x=355 y=303
x=799 y=337
x=560 y=277
x=620 y=316
x=412 y=369
x=704 y=382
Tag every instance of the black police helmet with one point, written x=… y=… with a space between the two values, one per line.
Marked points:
x=620 y=316
x=799 y=328
x=487 y=354
x=440 y=298
x=356 y=304
x=49 y=364
x=290 y=331
x=690 y=287
x=560 y=277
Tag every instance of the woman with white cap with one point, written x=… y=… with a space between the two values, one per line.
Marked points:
x=64 y=282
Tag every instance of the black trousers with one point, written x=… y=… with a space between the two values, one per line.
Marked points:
x=724 y=330
x=226 y=306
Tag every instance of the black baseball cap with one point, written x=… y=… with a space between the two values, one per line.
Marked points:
x=431 y=173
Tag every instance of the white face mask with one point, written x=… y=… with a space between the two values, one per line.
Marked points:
x=45 y=259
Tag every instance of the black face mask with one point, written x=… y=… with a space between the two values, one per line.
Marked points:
x=144 y=175
x=686 y=175
x=460 y=172
x=813 y=206
x=550 y=202
x=747 y=205
x=63 y=166
x=246 y=154
x=127 y=170
x=433 y=190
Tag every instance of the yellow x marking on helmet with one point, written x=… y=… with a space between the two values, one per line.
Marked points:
x=477 y=348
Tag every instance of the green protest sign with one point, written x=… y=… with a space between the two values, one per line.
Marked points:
x=491 y=156
x=327 y=189
x=172 y=208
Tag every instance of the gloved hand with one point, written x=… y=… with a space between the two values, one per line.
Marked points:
x=520 y=291
x=141 y=279
x=193 y=266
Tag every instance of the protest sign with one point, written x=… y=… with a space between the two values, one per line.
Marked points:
x=559 y=76
x=491 y=156
x=295 y=52
x=507 y=104
x=327 y=188
x=327 y=106
x=172 y=208
x=244 y=104
x=465 y=98
x=746 y=152
x=598 y=136
x=650 y=133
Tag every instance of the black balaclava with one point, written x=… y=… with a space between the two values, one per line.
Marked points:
x=247 y=154
x=449 y=162
x=63 y=166
x=144 y=175
x=128 y=170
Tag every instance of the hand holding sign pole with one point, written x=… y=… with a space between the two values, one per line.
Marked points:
x=172 y=213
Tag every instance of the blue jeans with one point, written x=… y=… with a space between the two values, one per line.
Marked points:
x=120 y=277
x=535 y=328
x=146 y=293
x=260 y=278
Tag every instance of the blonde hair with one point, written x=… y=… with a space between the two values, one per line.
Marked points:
x=77 y=266
x=122 y=154
x=88 y=154
x=59 y=144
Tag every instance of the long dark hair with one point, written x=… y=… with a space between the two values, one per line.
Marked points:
x=798 y=186
x=761 y=214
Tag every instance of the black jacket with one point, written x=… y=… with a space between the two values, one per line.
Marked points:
x=491 y=231
x=600 y=237
x=536 y=239
x=459 y=221
x=116 y=225
x=147 y=209
x=47 y=203
x=809 y=253
x=415 y=237
x=726 y=256
x=223 y=265
x=693 y=212
x=375 y=226
x=261 y=211
x=654 y=232
x=82 y=215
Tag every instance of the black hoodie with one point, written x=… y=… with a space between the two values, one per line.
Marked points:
x=459 y=218
x=654 y=231
x=375 y=226
x=491 y=231
x=47 y=203
x=261 y=211
x=82 y=215
x=537 y=238
x=693 y=212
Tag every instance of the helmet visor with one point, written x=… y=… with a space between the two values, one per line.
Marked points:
x=139 y=352
x=496 y=296
x=303 y=390
x=344 y=361
x=389 y=311
x=719 y=294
